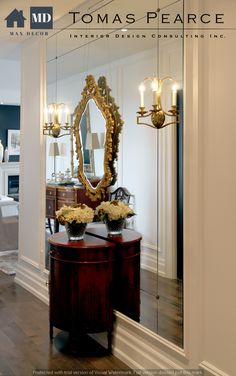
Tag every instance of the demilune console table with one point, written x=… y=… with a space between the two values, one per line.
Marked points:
x=126 y=277
x=91 y=277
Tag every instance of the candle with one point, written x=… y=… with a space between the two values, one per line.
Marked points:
x=174 y=95
x=50 y=111
x=155 y=87
x=141 y=89
x=67 y=115
x=59 y=114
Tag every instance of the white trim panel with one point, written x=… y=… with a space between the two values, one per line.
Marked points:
x=210 y=370
x=33 y=281
x=140 y=348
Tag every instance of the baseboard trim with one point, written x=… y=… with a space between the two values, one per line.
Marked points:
x=149 y=245
x=149 y=260
x=6 y=253
x=210 y=370
x=140 y=348
x=32 y=281
x=161 y=267
x=29 y=261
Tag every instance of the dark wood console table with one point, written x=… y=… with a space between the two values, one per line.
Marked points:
x=90 y=278
x=81 y=276
x=126 y=269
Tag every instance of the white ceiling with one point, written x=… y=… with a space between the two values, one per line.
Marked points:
x=79 y=54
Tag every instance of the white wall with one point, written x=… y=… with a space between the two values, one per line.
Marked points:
x=218 y=135
x=10 y=79
x=30 y=269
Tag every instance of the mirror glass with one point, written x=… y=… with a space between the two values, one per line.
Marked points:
x=150 y=161
x=92 y=133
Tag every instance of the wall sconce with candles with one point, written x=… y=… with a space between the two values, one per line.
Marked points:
x=157 y=114
x=57 y=120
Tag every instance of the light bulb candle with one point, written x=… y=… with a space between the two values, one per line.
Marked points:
x=50 y=112
x=67 y=115
x=59 y=114
x=174 y=95
x=155 y=89
x=142 y=89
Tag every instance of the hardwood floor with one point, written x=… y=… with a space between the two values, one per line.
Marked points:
x=24 y=339
x=164 y=315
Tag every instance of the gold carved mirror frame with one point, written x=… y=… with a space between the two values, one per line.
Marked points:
x=92 y=91
x=118 y=124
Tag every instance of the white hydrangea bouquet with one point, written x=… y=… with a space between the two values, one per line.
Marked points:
x=75 y=219
x=80 y=213
x=114 y=214
x=113 y=210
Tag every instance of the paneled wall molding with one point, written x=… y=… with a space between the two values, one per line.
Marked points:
x=32 y=166
x=167 y=207
x=210 y=370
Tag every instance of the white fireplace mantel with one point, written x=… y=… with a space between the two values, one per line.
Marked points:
x=7 y=169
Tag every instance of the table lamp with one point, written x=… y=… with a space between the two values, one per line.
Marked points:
x=54 y=152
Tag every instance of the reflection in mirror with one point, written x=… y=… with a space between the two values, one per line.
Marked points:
x=85 y=131
x=150 y=163
x=92 y=133
x=93 y=109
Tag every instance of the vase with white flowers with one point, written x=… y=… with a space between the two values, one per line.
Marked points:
x=113 y=214
x=75 y=219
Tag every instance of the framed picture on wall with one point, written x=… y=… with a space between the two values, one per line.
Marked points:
x=13 y=141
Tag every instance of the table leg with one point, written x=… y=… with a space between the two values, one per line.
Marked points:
x=51 y=331
x=56 y=225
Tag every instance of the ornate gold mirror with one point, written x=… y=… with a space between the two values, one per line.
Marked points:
x=118 y=124
x=97 y=125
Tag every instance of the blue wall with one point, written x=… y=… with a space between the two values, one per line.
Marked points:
x=9 y=119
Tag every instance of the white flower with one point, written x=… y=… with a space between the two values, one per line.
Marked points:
x=113 y=210
x=75 y=214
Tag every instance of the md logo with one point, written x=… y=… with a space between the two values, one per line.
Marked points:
x=41 y=17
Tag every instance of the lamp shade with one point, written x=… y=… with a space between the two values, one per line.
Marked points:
x=62 y=149
x=92 y=141
x=54 y=149
x=102 y=140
